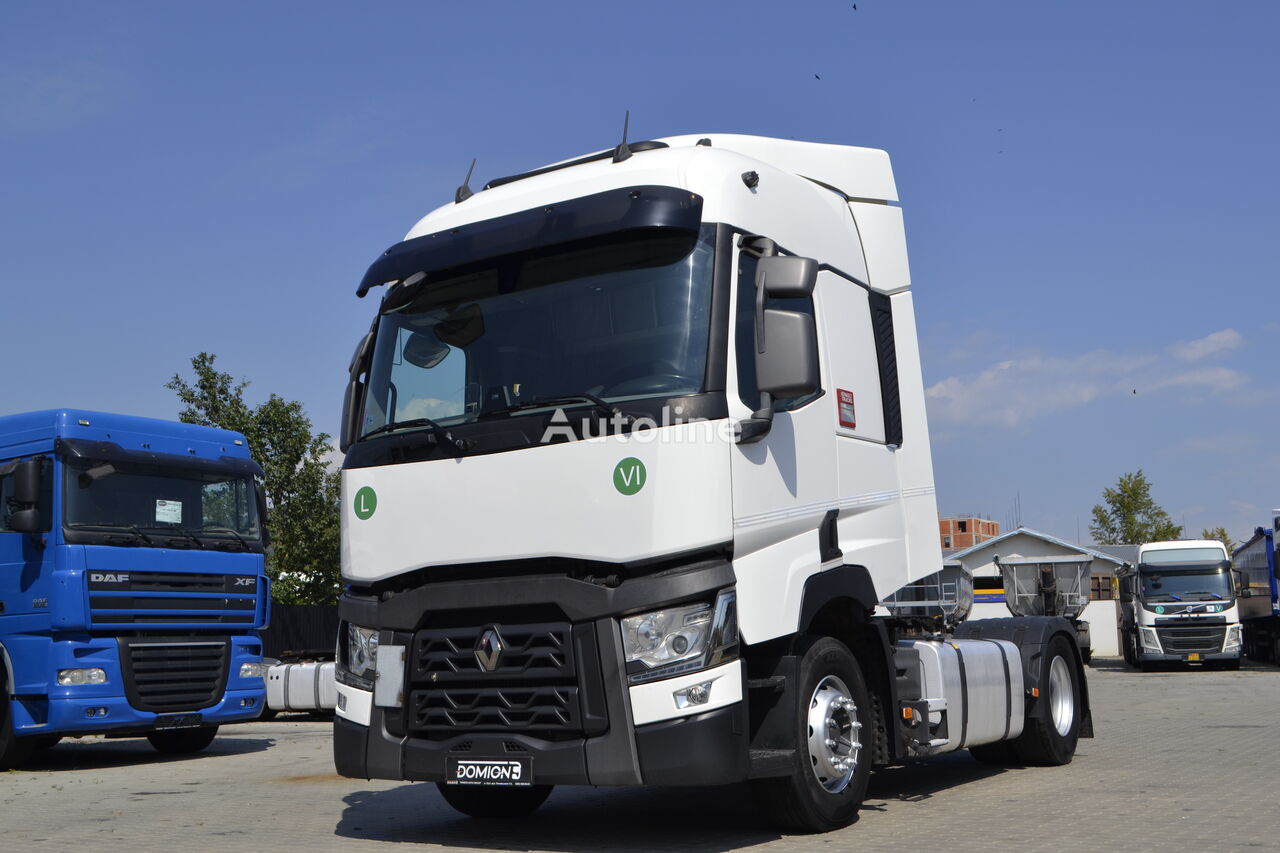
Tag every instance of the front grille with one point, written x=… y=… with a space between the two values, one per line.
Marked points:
x=526 y=709
x=170 y=675
x=1203 y=639
x=536 y=685
x=171 y=598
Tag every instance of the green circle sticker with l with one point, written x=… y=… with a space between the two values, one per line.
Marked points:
x=629 y=476
x=365 y=503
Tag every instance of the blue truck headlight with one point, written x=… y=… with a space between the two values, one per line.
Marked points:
x=71 y=677
x=675 y=640
x=362 y=650
x=254 y=669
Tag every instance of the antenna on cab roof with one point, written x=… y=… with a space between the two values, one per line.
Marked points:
x=464 y=192
x=622 y=152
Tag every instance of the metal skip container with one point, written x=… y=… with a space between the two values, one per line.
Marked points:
x=1046 y=586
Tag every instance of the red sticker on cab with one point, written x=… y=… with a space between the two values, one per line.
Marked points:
x=844 y=403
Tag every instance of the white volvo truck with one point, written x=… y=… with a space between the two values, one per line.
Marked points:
x=635 y=447
x=1178 y=605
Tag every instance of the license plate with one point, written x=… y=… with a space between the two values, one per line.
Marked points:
x=490 y=771
x=1193 y=656
x=178 y=721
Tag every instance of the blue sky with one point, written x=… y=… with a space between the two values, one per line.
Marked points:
x=1088 y=186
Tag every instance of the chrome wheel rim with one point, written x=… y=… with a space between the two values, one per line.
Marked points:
x=834 y=735
x=1062 y=700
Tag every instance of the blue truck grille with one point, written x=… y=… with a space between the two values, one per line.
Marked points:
x=171 y=598
x=168 y=675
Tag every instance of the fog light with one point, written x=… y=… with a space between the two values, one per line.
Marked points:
x=248 y=703
x=254 y=669
x=696 y=694
x=95 y=712
x=71 y=677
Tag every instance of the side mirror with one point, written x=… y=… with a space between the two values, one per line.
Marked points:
x=261 y=495
x=353 y=398
x=788 y=277
x=786 y=341
x=788 y=367
x=26 y=482
x=25 y=520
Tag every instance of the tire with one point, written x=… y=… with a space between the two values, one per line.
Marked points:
x=183 y=741
x=1127 y=651
x=1051 y=740
x=494 y=802
x=832 y=768
x=1000 y=754
x=267 y=715
x=14 y=750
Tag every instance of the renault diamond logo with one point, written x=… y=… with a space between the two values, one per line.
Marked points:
x=489 y=650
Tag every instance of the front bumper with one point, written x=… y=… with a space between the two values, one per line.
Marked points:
x=585 y=725
x=1193 y=657
x=701 y=749
x=70 y=716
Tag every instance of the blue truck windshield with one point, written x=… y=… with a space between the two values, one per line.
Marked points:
x=622 y=318
x=134 y=503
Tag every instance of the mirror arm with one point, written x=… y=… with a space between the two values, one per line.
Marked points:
x=756 y=427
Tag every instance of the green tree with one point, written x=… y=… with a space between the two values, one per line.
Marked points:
x=1131 y=516
x=302 y=493
x=1219 y=533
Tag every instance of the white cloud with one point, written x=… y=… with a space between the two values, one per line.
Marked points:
x=1032 y=385
x=1221 y=341
x=39 y=99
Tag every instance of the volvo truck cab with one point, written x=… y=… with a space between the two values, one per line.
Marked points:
x=635 y=448
x=1178 y=605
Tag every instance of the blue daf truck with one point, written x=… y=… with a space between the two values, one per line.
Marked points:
x=131 y=581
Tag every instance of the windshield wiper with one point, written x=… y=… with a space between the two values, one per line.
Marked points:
x=437 y=432
x=244 y=543
x=180 y=529
x=1216 y=595
x=119 y=525
x=564 y=399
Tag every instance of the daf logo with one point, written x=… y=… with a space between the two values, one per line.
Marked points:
x=108 y=577
x=489 y=650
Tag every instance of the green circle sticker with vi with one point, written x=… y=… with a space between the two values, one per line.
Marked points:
x=365 y=503
x=629 y=476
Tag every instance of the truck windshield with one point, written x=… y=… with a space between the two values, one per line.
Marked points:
x=159 y=505
x=1187 y=585
x=621 y=318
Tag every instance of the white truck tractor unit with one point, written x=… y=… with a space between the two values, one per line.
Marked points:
x=635 y=447
x=1178 y=605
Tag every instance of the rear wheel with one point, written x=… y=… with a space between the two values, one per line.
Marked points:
x=832 y=767
x=1051 y=738
x=483 y=801
x=183 y=741
x=14 y=750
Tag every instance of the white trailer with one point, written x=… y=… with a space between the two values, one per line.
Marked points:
x=635 y=448
x=1178 y=606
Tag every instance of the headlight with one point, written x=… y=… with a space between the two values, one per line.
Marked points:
x=681 y=639
x=254 y=669
x=70 y=677
x=362 y=650
x=1232 y=643
x=1150 y=640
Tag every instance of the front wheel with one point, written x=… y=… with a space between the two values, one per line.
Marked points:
x=833 y=757
x=183 y=741
x=484 y=801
